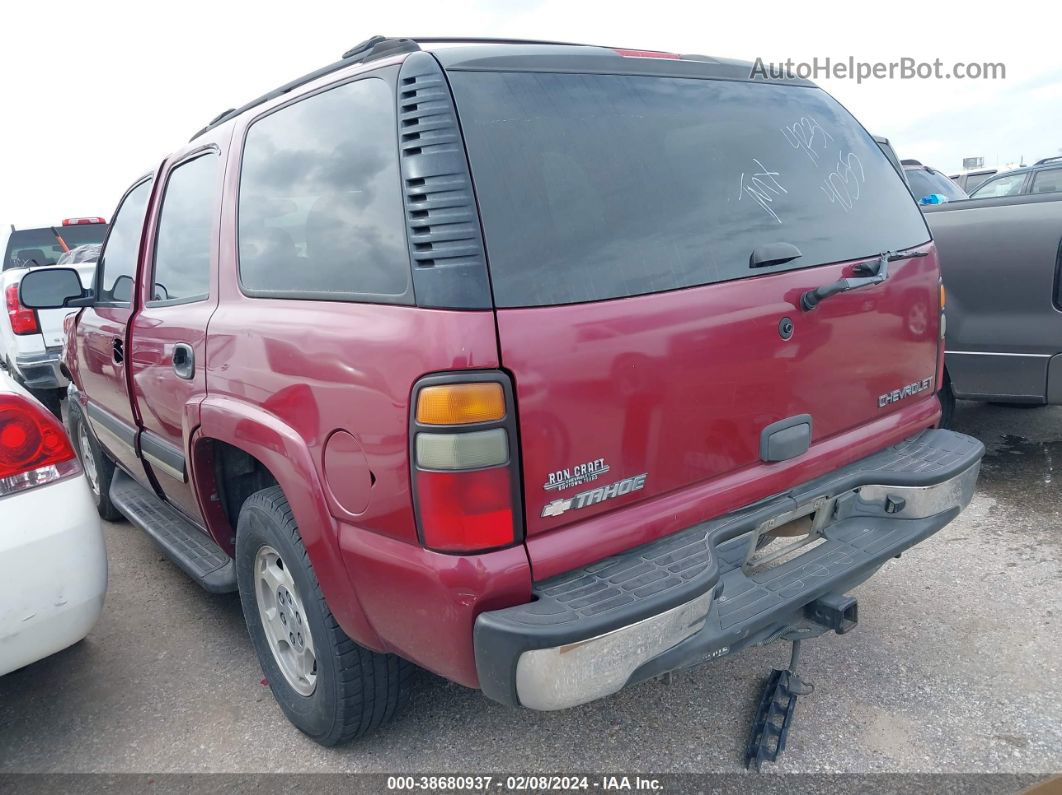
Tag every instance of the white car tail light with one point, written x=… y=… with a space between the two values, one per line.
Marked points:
x=34 y=449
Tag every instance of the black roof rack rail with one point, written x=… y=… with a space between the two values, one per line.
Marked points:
x=371 y=49
x=1047 y=160
x=368 y=50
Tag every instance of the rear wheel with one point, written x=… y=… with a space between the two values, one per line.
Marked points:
x=331 y=688
x=947 y=404
x=99 y=469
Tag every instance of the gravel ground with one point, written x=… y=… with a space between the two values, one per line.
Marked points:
x=956 y=666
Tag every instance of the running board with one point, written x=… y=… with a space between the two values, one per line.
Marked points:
x=194 y=552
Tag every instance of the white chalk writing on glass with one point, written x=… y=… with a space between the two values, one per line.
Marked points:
x=763 y=187
x=807 y=136
x=844 y=184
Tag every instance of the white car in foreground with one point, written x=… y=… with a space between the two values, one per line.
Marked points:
x=51 y=542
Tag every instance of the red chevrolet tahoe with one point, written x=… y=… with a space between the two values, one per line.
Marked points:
x=548 y=368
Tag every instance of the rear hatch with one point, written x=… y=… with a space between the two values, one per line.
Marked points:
x=621 y=213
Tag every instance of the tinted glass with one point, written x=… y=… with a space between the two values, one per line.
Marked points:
x=186 y=225
x=26 y=247
x=1047 y=181
x=320 y=205
x=117 y=267
x=601 y=186
x=926 y=181
x=975 y=180
x=1009 y=185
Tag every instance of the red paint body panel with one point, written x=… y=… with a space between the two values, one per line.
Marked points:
x=424 y=604
x=680 y=385
x=615 y=531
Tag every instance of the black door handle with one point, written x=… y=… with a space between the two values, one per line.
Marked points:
x=118 y=350
x=183 y=360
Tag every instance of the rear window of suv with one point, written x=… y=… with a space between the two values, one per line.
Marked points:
x=604 y=186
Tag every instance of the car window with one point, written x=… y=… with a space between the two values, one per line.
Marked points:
x=186 y=226
x=117 y=268
x=593 y=187
x=973 y=181
x=1047 y=181
x=320 y=206
x=30 y=247
x=1007 y=185
x=927 y=181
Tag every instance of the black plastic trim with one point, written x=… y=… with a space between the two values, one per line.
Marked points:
x=508 y=422
x=442 y=219
x=163 y=455
x=187 y=545
x=777 y=445
x=118 y=428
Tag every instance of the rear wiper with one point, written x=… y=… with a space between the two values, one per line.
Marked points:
x=870 y=273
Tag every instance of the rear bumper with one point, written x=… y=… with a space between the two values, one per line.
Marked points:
x=689 y=597
x=55 y=570
x=41 y=370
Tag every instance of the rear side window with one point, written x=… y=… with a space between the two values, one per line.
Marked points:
x=320 y=209
x=186 y=227
x=117 y=267
x=1048 y=181
x=1009 y=185
x=603 y=186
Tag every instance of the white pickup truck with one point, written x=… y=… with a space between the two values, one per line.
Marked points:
x=31 y=340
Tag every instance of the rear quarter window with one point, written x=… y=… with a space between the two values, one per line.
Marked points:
x=603 y=186
x=320 y=205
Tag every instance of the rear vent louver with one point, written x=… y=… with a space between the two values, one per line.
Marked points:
x=445 y=241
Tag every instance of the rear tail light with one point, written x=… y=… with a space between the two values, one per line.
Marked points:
x=464 y=468
x=34 y=448
x=23 y=321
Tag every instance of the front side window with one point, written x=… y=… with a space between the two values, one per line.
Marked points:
x=320 y=207
x=186 y=227
x=1048 y=181
x=1009 y=185
x=604 y=186
x=117 y=267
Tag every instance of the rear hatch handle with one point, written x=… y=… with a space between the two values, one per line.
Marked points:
x=769 y=254
x=870 y=273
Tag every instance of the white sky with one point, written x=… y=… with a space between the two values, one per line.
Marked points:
x=96 y=93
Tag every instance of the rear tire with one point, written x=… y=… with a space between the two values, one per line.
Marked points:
x=947 y=404
x=99 y=469
x=330 y=688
